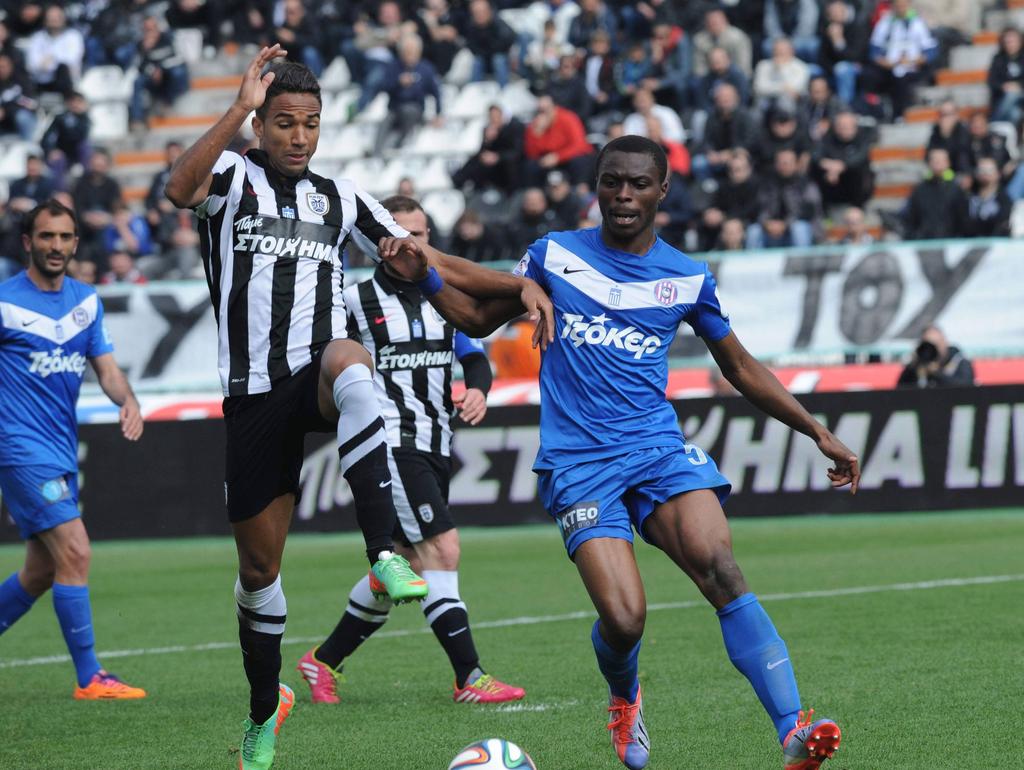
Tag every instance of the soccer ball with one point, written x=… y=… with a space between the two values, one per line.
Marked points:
x=492 y=754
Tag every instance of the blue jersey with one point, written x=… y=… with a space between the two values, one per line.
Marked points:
x=603 y=381
x=45 y=339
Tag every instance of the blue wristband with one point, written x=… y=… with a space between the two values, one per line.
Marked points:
x=432 y=284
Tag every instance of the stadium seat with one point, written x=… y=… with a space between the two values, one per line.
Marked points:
x=462 y=68
x=445 y=207
x=336 y=77
x=455 y=138
x=109 y=121
x=12 y=158
x=107 y=83
x=516 y=99
x=336 y=105
x=346 y=143
x=189 y=44
x=367 y=173
x=375 y=111
x=473 y=100
x=433 y=176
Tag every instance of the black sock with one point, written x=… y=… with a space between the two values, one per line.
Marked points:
x=375 y=507
x=261 y=656
x=451 y=627
x=363 y=616
x=262 y=615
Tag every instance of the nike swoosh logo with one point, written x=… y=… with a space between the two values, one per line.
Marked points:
x=380 y=320
x=456 y=633
x=776 y=664
x=29 y=323
x=385 y=484
x=79 y=630
x=567 y=271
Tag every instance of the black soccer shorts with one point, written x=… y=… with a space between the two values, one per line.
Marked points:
x=265 y=434
x=420 y=488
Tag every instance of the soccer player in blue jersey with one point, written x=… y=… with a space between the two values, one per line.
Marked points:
x=50 y=325
x=612 y=458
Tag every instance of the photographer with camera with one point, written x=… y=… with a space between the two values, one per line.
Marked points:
x=936 y=364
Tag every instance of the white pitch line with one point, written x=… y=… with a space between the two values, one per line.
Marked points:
x=530 y=620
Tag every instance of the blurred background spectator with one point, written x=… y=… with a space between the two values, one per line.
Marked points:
x=17 y=99
x=1006 y=78
x=937 y=207
x=122 y=269
x=55 y=53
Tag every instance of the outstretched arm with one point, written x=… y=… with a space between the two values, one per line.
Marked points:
x=115 y=385
x=762 y=388
x=189 y=183
x=474 y=299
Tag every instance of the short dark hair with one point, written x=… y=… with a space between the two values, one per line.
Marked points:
x=397 y=204
x=289 y=78
x=631 y=143
x=53 y=207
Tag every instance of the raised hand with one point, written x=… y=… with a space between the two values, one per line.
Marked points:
x=253 y=91
x=847 y=466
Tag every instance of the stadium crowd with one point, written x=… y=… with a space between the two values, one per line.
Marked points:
x=768 y=110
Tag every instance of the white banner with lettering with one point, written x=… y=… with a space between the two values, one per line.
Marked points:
x=820 y=302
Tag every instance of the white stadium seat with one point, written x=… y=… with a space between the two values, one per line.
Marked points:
x=109 y=121
x=188 y=43
x=337 y=76
x=368 y=173
x=12 y=158
x=107 y=83
x=347 y=143
x=445 y=207
x=473 y=100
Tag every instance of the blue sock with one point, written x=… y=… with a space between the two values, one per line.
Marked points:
x=71 y=603
x=15 y=601
x=619 y=668
x=755 y=648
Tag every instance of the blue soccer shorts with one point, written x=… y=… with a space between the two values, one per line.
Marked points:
x=613 y=496
x=39 y=497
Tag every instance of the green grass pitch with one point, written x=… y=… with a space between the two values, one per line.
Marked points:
x=924 y=675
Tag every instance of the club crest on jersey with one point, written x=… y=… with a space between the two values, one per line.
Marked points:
x=80 y=317
x=614 y=296
x=665 y=292
x=318 y=203
x=426 y=513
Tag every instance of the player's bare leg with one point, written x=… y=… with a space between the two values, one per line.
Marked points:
x=692 y=529
x=21 y=589
x=68 y=556
x=346 y=395
x=609 y=572
x=261 y=605
x=39 y=571
x=262 y=613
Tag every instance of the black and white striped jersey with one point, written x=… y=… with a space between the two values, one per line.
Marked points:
x=413 y=349
x=272 y=248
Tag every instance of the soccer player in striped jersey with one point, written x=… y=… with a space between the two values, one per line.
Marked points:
x=50 y=325
x=272 y=239
x=414 y=349
x=612 y=458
